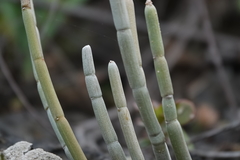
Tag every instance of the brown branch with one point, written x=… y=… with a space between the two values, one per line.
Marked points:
x=175 y=52
x=214 y=53
x=19 y=92
x=216 y=154
x=215 y=131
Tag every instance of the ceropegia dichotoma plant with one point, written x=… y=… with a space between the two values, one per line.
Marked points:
x=174 y=129
x=45 y=87
x=123 y=113
x=136 y=78
x=99 y=108
x=124 y=20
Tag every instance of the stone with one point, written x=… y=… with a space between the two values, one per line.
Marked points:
x=23 y=151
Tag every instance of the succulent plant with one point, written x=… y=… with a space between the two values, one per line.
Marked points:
x=173 y=126
x=124 y=21
x=45 y=87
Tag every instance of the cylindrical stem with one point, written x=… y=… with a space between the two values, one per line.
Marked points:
x=136 y=78
x=99 y=107
x=123 y=113
x=133 y=27
x=165 y=85
x=45 y=86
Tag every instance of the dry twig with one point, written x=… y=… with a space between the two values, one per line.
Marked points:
x=214 y=53
x=19 y=92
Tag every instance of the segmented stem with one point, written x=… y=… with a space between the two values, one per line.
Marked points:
x=45 y=87
x=133 y=27
x=99 y=107
x=136 y=78
x=123 y=113
x=165 y=85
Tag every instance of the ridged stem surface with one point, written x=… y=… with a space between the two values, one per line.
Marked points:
x=99 y=107
x=123 y=113
x=136 y=78
x=45 y=87
x=165 y=85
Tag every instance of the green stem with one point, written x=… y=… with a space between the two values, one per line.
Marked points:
x=45 y=86
x=133 y=27
x=99 y=107
x=136 y=78
x=123 y=113
x=165 y=85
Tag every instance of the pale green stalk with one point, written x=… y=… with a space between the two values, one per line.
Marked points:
x=165 y=85
x=52 y=121
x=99 y=108
x=133 y=27
x=123 y=113
x=136 y=79
x=45 y=87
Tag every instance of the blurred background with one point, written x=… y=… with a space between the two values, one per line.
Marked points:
x=202 y=46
